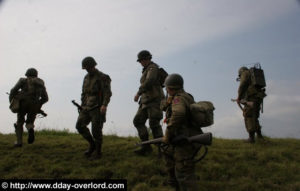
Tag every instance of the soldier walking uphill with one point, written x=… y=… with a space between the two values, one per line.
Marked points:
x=27 y=98
x=96 y=91
x=250 y=91
x=179 y=157
x=149 y=95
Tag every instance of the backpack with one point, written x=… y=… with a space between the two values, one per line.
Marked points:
x=257 y=76
x=202 y=114
x=162 y=75
x=14 y=105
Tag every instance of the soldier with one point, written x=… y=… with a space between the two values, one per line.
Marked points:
x=29 y=94
x=149 y=96
x=179 y=157
x=248 y=91
x=96 y=91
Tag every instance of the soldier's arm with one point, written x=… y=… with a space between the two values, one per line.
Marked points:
x=178 y=117
x=150 y=80
x=244 y=84
x=15 y=89
x=44 y=96
x=83 y=92
x=106 y=90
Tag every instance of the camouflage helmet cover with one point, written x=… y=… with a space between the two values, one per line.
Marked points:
x=174 y=81
x=144 y=55
x=32 y=72
x=88 y=62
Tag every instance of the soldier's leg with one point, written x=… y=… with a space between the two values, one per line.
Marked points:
x=168 y=155
x=19 y=129
x=31 y=116
x=257 y=125
x=249 y=117
x=185 y=168
x=139 y=122
x=97 y=125
x=81 y=126
x=250 y=126
x=155 y=115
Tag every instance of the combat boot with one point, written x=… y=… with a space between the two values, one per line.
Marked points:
x=98 y=150
x=146 y=149
x=19 y=134
x=30 y=136
x=259 y=135
x=91 y=148
x=251 y=138
x=16 y=145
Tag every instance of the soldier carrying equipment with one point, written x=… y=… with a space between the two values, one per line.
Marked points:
x=26 y=99
x=251 y=93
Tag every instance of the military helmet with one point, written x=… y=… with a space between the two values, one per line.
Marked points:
x=174 y=81
x=32 y=72
x=242 y=69
x=88 y=62
x=144 y=55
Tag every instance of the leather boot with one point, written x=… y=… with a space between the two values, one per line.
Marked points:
x=259 y=135
x=145 y=149
x=30 y=136
x=91 y=148
x=251 y=138
x=98 y=150
x=19 y=134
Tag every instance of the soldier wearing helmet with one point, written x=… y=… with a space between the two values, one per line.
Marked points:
x=248 y=91
x=149 y=97
x=96 y=91
x=26 y=99
x=179 y=157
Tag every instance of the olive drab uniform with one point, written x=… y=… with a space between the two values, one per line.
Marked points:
x=256 y=95
x=31 y=94
x=180 y=157
x=96 y=91
x=151 y=94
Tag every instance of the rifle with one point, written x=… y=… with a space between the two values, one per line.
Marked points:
x=203 y=139
x=244 y=102
x=79 y=108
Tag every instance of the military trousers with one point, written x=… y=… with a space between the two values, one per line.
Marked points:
x=97 y=120
x=251 y=115
x=180 y=166
x=154 y=114
x=28 y=109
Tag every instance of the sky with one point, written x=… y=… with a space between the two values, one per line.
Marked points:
x=204 y=41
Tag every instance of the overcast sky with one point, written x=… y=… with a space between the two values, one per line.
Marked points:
x=204 y=41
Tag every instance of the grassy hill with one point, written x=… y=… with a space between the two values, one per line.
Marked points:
x=229 y=165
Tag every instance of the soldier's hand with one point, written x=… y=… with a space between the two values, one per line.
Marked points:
x=136 y=97
x=103 y=109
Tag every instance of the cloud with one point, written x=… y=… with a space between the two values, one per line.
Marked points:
x=54 y=36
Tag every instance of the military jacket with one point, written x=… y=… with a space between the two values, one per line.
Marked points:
x=31 y=88
x=247 y=90
x=96 y=89
x=178 y=116
x=150 y=88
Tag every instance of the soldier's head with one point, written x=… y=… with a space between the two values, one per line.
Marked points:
x=173 y=83
x=88 y=63
x=31 y=72
x=144 y=57
x=241 y=70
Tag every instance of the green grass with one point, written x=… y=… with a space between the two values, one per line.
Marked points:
x=229 y=165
